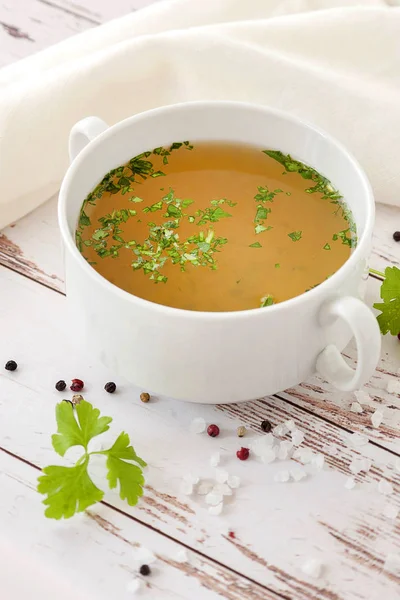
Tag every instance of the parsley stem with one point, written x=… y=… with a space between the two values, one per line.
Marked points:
x=379 y=273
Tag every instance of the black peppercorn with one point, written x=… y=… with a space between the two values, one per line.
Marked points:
x=61 y=385
x=10 y=365
x=110 y=387
x=396 y=236
x=266 y=426
x=145 y=570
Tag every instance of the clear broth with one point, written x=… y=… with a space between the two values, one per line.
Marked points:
x=287 y=232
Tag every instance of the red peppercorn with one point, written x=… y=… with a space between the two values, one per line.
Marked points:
x=398 y=336
x=232 y=535
x=77 y=385
x=243 y=453
x=213 y=430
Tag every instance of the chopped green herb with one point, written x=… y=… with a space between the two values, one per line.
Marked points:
x=255 y=245
x=277 y=266
x=158 y=174
x=295 y=236
x=326 y=247
x=135 y=199
x=267 y=300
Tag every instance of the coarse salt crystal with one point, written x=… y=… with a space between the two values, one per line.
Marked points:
x=214 y=498
x=304 y=455
x=222 y=488
x=358 y=439
x=392 y=563
x=197 y=425
x=312 y=567
x=356 y=465
x=297 y=437
x=215 y=459
x=143 y=556
x=269 y=455
x=186 y=488
x=298 y=474
x=330 y=449
x=318 y=460
x=262 y=444
x=280 y=430
x=290 y=424
x=221 y=475
x=181 y=556
x=356 y=407
x=190 y=478
x=393 y=386
x=233 y=481
x=350 y=484
x=216 y=510
x=282 y=476
x=362 y=396
x=385 y=487
x=390 y=511
x=285 y=449
x=134 y=586
x=377 y=418
x=204 y=488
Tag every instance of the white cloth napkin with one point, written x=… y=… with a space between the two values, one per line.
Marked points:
x=335 y=63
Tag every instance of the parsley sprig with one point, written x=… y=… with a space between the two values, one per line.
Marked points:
x=389 y=318
x=70 y=490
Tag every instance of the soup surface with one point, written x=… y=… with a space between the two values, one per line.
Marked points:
x=215 y=227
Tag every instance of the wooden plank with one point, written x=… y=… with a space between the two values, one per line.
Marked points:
x=26 y=27
x=277 y=526
x=92 y=557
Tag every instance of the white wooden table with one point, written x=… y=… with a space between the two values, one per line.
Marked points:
x=276 y=527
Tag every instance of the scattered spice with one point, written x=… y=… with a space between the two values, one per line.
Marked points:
x=396 y=236
x=76 y=399
x=266 y=426
x=145 y=570
x=213 y=430
x=145 y=397
x=232 y=535
x=77 y=385
x=110 y=387
x=60 y=385
x=10 y=365
x=243 y=453
x=241 y=431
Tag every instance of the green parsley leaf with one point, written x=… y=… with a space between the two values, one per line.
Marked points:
x=158 y=174
x=69 y=490
x=326 y=247
x=277 y=266
x=260 y=228
x=73 y=432
x=128 y=476
x=255 y=245
x=295 y=236
x=389 y=319
x=135 y=199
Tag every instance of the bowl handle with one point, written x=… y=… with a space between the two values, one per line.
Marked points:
x=330 y=364
x=83 y=132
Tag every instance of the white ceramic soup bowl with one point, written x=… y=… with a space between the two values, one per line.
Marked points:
x=227 y=356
